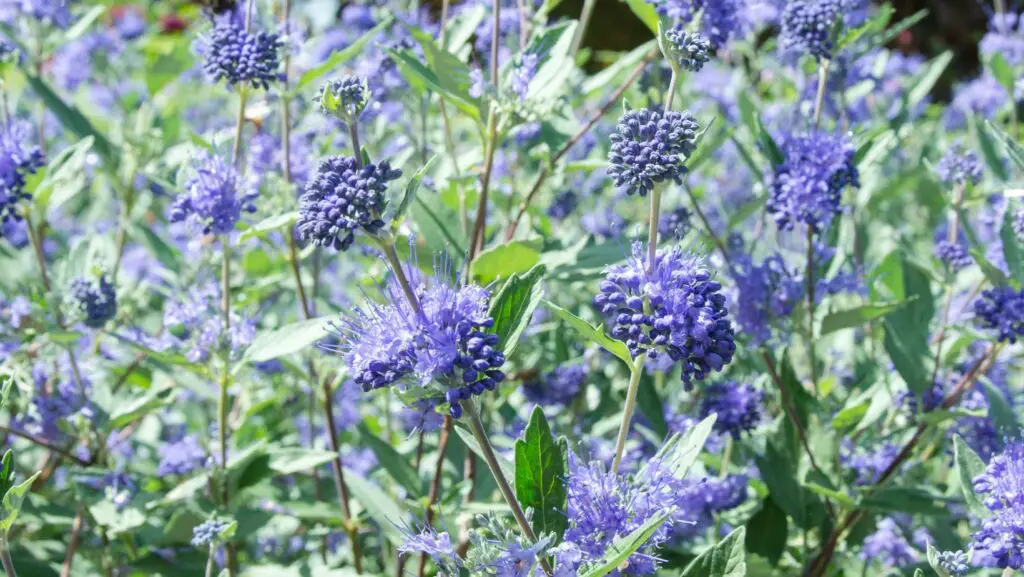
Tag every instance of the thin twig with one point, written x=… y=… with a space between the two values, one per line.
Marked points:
x=339 y=476
x=55 y=449
x=69 y=557
x=809 y=278
x=435 y=484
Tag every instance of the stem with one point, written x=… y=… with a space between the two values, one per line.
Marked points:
x=671 y=90
x=951 y=237
x=339 y=477
x=209 y=562
x=435 y=484
x=476 y=241
x=584 y=22
x=811 y=357
x=293 y=257
x=492 y=463
x=652 y=229
x=635 y=372
x=236 y=148
x=723 y=469
x=819 y=98
x=715 y=239
x=353 y=133
x=69 y=557
x=523 y=206
x=5 y=556
x=388 y=246
x=37 y=248
x=495 y=40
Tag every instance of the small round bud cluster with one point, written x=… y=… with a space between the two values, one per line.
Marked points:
x=343 y=198
x=1002 y=309
x=690 y=51
x=649 y=147
x=686 y=316
x=94 y=299
x=240 y=57
x=344 y=99
x=738 y=407
x=480 y=364
x=807 y=27
x=208 y=532
x=953 y=254
x=559 y=387
x=564 y=205
x=954 y=562
x=959 y=166
x=17 y=161
x=674 y=224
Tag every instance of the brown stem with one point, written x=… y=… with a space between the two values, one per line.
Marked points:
x=57 y=450
x=435 y=484
x=809 y=274
x=69 y=557
x=544 y=172
x=339 y=476
x=476 y=241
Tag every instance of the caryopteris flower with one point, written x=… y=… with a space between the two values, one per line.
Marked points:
x=1001 y=309
x=738 y=407
x=437 y=545
x=18 y=159
x=888 y=546
x=522 y=74
x=208 y=532
x=954 y=562
x=688 y=50
x=214 y=198
x=959 y=166
x=344 y=99
x=443 y=349
x=559 y=387
x=94 y=300
x=1002 y=487
x=807 y=27
x=674 y=224
x=684 y=317
x=649 y=147
x=807 y=186
x=342 y=199
x=232 y=54
x=953 y=254
x=181 y=457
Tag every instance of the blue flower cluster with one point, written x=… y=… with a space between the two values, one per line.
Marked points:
x=674 y=309
x=1018 y=224
x=181 y=457
x=559 y=387
x=719 y=19
x=214 y=198
x=436 y=545
x=807 y=27
x=208 y=532
x=195 y=326
x=1005 y=37
x=563 y=205
x=764 y=292
x=953 y=254
x=738 y=407
x=674 y=224
x=959 y=166
x=522 y=74
x=18 y=159
x=1002 y=486
x=807 y=186
x=50 y=12
x=343 y=198
x=345 y=99
x=649 y=147
x=954 y=562
x=689 y=51
x=1002 y=309
x=888 y=546
x=232 y=54
x=445 y=342
x=94 y=299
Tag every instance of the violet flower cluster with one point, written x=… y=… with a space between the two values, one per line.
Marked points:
x=239 y=57
x=807 y=187
x=214 y=198
x=1001 y=486
x=649 y=147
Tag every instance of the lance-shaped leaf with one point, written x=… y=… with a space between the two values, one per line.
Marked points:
x=540 y=476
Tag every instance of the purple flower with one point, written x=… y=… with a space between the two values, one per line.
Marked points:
x=867 y=463
x=689 y=51
x=954 y=562
x=208 y=532
x=674 y=224
x=18 y=159
x=342 y=199
x=522 y=74
x=94 y=300
x=687 y=317
x=649 y=147
x=214 y=198
x=959 y=166
x=50 y=12
x=559 y=387
x=1001 y=309
x=764 y=292
x=563 y=205
x=807 y=187
x=445 y=342
x=181 y=457
x=953 y=254
x=807 y=27
x=983 y=96
x=719 y=20
x=345 y=99
x=738 y=407
x=888 y=546
x=437 y=545
x=232 y=54
x=1002 y=486
x=1004 y=37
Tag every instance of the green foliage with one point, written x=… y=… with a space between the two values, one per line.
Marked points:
x=540 y=476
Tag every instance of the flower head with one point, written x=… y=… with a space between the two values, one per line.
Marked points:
x=342 y=199
x=1002 y=309
x=18 y=159
x=738 y=407
x=953 y=254
x=232 y=54
x=214 y=198
x=954 y=562
x=208 y=532
x=888 y=546
x=94 y=299
x=1002 y=487
x=674 y=224
x=345 y=99
x=444 y=347
x=807 y=27
x=523 y=73
x=1018 y=224
x=437 y=545
x=181 y=457
x=807 y=186
x=689 y=51
x=563 y=205
x=559 y=387
x=1006 y=37
x=649 y=147
x=686 y=318
x=959 y=166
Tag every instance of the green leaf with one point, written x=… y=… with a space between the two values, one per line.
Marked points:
x=905 y=500
x=379 y=506
x=336 y=59
x=619 y=551
x=933 y=559
x=646 y=13
x=288 y=339
x=269 y=225
x=411 y=188
x=767 y=531
x=988 y=148
x=1012 y=250
x=1003 y=72
x=923 y=84
x=725 y=559
x=507 y=467
x=540 y=476
x=967 y=466
x=6 y=471
x=999 y=410
x=590 y=332
x=650 y=404
x=512 y=308
x=11 y=505
x=841 y=498
x=436 y=223
x=683 y=450
x=292 y=460
x=850 y=416
x=553 y=47
x=906 y=329
x=768 y=145
x=603 y=79
x=83 y=24
x=452 y=85
x=857 y=316
x=396 y=465
x=152 y=400
x=73 y=119
x=503 y=261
